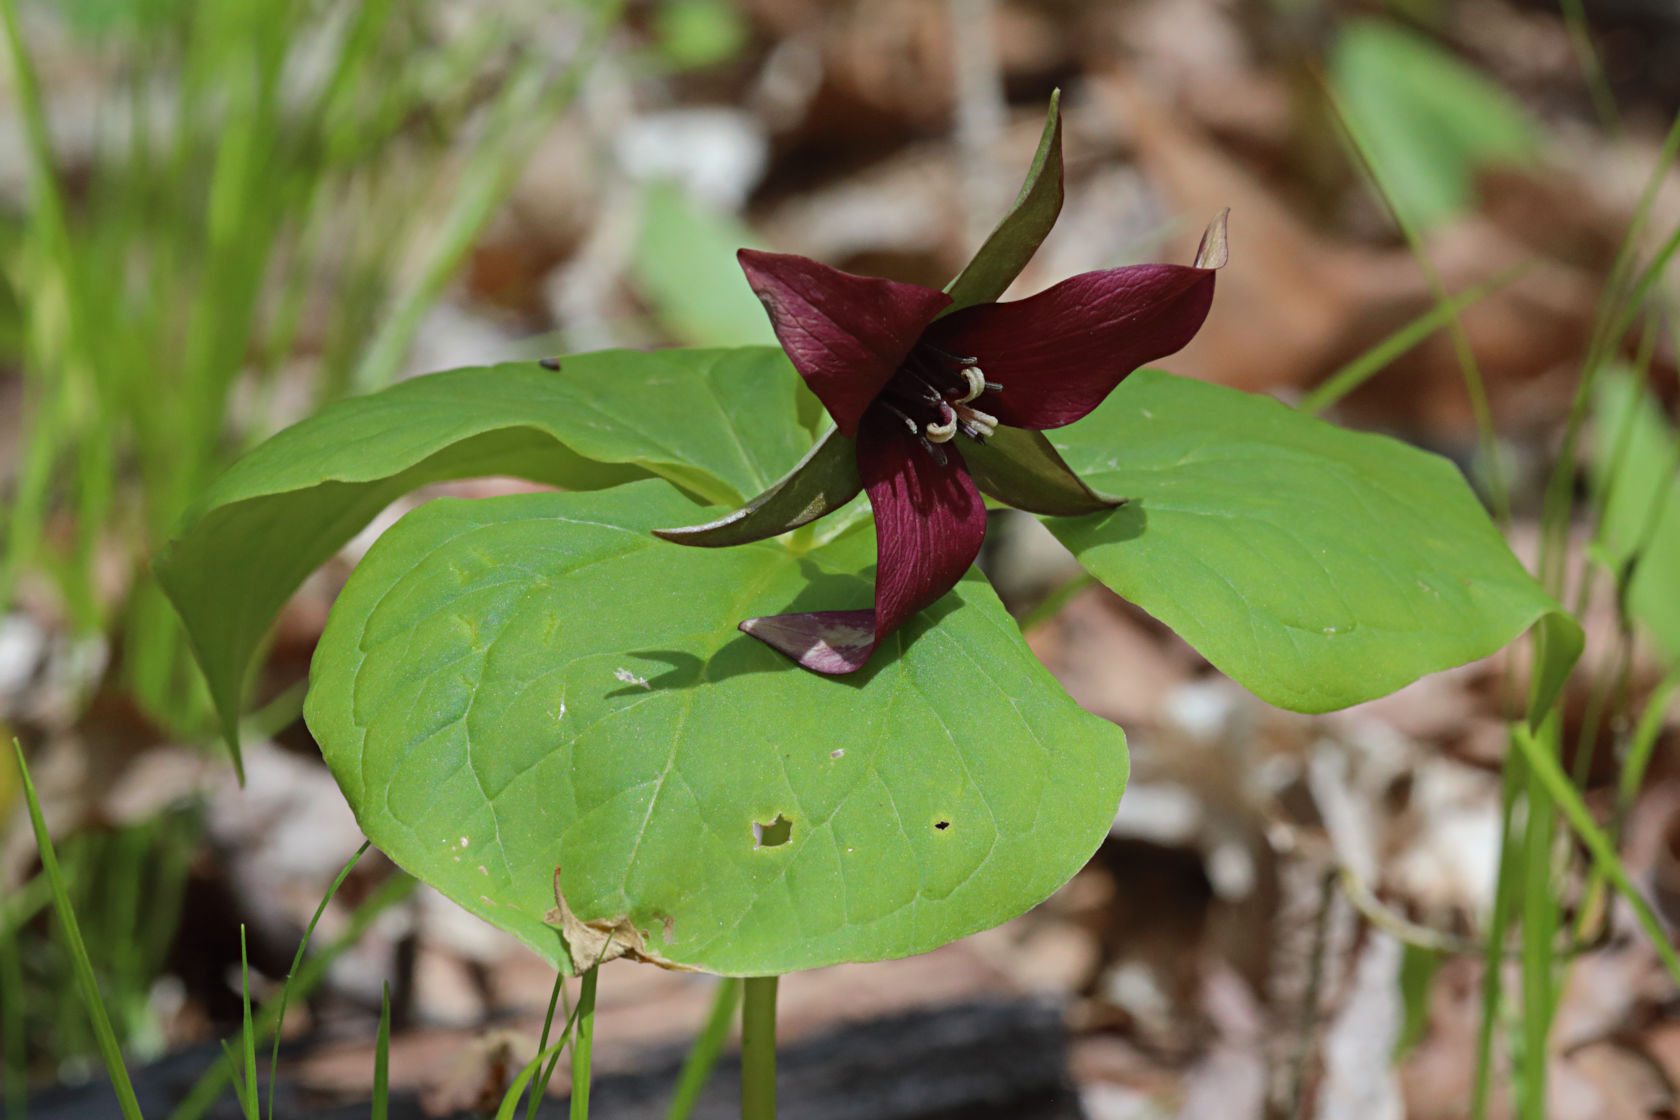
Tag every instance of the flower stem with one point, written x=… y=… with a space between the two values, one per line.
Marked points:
x=758 y=1049
x=582 y=1043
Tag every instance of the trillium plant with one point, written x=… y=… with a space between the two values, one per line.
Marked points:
x=543 y=704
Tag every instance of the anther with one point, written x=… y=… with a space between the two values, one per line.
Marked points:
x=983 y=422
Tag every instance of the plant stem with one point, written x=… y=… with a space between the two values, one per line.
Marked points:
x=758 y=1049
x=582 y=1043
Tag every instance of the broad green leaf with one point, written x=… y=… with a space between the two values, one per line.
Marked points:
x=1430 y=120
x=516 y=685
x=718 y=423
x=1315 y=566
x=1017 y=237
x=1635 y=462
x=684 y=266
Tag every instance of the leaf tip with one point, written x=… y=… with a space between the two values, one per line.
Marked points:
x=1214 y=251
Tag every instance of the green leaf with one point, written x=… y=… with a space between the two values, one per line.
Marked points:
x=684 y=266
x=1315 y=566
x=516 y=685
x=1635 y=460
x=1011 y=245
x=820 y=483
x=718 y=423
x=1430 y=120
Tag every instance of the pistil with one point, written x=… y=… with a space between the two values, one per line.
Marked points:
x=933 y=393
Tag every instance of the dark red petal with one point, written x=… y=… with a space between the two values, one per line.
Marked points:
x=1059 y=353
x=832 y=642
x=929 y=522
x=929 y=518
x=845 y=334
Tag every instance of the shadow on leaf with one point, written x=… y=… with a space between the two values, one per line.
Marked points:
x=742 y=654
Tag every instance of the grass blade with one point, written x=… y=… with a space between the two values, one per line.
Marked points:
x=541 y=1086
x=1557 y=785
x=583 y=1040
x=708 y=1045
x=528 y=97
x=382 y=1058
x=14 y=1062
x=1494 y=949
x=510 y=1099
x=1539 y=924
x=1644 y=741
x=1361 y=369
x=247 y=1037
x=1467 y=364
x=108 y=1048
x=297 y=960
x=209 y=1087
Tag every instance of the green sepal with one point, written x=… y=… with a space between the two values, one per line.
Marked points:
x=1017 y=237
x=826 y=479
x=1020 y=468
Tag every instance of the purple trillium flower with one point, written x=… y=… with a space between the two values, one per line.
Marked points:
x=931 y=410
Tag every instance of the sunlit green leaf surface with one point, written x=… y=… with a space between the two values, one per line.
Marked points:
x=520 y=684
x=1316 y=566
x=718 y=423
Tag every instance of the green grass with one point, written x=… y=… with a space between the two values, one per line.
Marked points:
x=109 y=1050
x=252 y=224
x=258 y=220
x=1532 y=865
x=240 y=1068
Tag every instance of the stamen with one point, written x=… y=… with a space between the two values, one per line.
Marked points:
x=948 y=356
x=945 y=428
x=902 y=415
x=993 y=387
x=936 y=451
x=983 y=422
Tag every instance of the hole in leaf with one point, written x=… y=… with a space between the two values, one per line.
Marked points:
x=941 y=825
x=772 y=835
